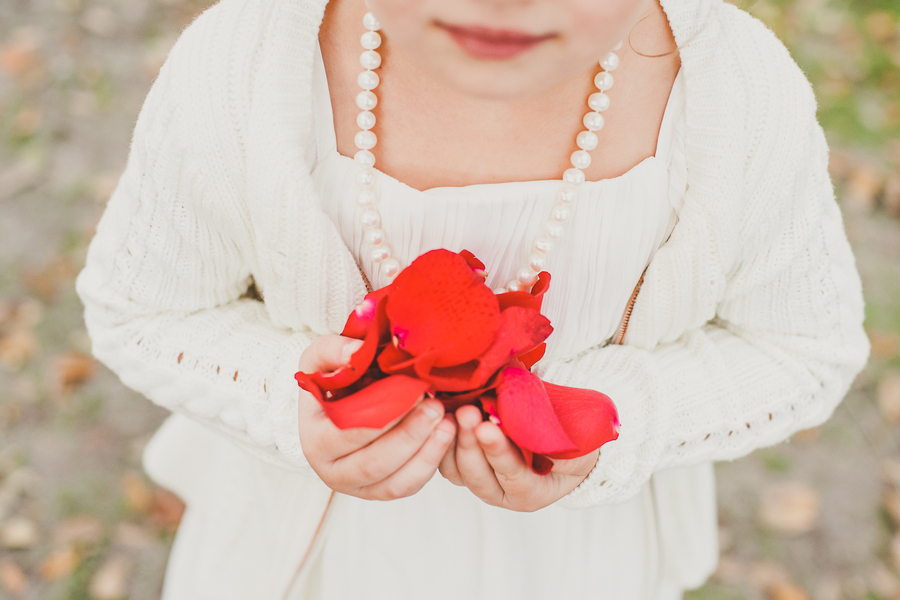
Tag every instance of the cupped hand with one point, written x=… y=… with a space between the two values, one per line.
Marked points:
x=376 y=464
x=484 y=460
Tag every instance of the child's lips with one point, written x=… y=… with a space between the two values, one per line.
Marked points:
x=490 y=43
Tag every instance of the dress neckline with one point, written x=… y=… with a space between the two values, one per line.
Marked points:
x=326 y=138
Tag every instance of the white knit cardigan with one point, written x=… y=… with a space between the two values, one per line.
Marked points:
x=748 y=327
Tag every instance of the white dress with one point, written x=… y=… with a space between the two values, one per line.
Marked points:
x=444 y=543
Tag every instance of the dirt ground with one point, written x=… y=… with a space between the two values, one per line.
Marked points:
x=813 y=518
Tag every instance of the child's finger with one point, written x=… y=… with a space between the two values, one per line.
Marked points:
x=448 y=466
x=386 y=454
x=328 y=353
x=410 y=478
x=509 y=467
x=327 y=440
x=473 y=467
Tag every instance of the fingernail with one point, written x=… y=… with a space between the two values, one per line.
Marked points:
x=444 y=432
x=349 y=349
x=431 y=410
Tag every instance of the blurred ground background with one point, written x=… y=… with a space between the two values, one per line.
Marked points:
x=815 y=518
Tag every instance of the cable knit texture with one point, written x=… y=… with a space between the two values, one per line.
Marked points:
x=748 y=327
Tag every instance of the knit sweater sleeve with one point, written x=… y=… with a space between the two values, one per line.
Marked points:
x=780 y=352
x=163 y=283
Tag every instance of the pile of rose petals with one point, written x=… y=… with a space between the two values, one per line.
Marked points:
x=439 y=330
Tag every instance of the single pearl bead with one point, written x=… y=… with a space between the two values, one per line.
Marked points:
x=365 y=198
x=587 y=140
x=618 y=46
x=537 y=262
x=610 y=62
x=526 y=276
x=390 y=267
x=370 y=22
x=365 y=177
x=553 y=230
x=370 y=40
x=374 y=237
x=593 y=121
x=365 y=120
x=366 y=100
x=514 y=286
x=567 y=195
x=364 y=158
x=603 y=81
x=499 y=290
x=560 y=214
x=574 y=176
x=370 y=60
x=365 y=140
x=543 y=245
x=380 y=254
x=598 y=102
x=370 y=218
x=368 y=80
x=580 y=159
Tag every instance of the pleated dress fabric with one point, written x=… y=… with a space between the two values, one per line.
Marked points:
x=444 y=542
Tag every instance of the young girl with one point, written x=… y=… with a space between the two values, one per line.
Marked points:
x=702 y=163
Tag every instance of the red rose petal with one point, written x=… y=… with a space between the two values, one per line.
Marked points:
x=438 y=304
x=361 y=319
x=369 y=322
x=530 y=358
x=521 y=330
x=393 y=360
x=532 y=299
x=588 y=417
x=473 y=262
x=527 y=416
x=539 y=463
x=373 y=406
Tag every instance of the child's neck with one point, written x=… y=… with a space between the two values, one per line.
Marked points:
x=432 y=136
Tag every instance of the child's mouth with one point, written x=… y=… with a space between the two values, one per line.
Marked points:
x=488 y=43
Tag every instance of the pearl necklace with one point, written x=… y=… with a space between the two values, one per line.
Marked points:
x=365 y=140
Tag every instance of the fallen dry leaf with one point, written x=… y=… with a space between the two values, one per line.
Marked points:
x=20 y=58
x=131 y=536
x=808 y=436
x=12 y=577
x=790 y=508
x=884 y=345
x=46 y=282
x=17 y=347
x=892 y=196
x=83 y=530
x=888 y=395
x=18 y=533
x=72 y=370
x=167 y=509
x=110 y=582
x=881 y=25
x=863 y=186
x=787 y=591
x=138 y=494
x=60 y=563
